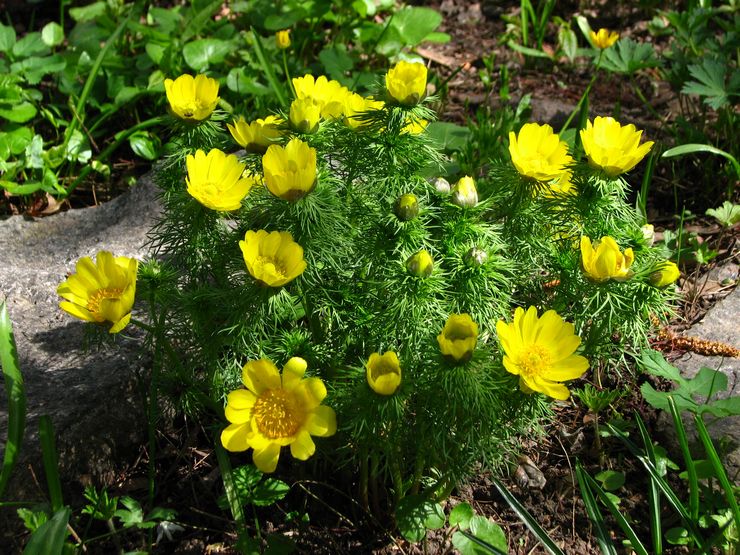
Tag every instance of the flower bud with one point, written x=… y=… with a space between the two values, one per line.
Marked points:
x=305 y=115
x=648 y=233
x=407 y=207
x=458 y=338
x=475 y=257
x=282 y=38
x=665 y=274
x=464 y=193
x=420 y=264
x=441 y=185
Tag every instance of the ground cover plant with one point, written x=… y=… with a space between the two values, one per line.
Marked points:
x=335 y=299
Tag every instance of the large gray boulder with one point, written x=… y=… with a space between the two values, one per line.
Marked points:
x=93 y=396
x=721 y=323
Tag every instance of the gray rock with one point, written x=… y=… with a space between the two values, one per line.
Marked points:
x=91 y=395
x=721 y=323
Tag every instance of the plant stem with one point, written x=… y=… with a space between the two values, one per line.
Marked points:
x=287 y=74
x=585 y=94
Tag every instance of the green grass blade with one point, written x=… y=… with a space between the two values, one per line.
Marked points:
x=656 y=525
x=268 y=70
x=528 y=519
x=683 y=443
x=594 y=513
x=695 y=147
x=636 y=545
x=16 y=397
x=51 y=462
x=665 y=488
x=647 y=179
x=49 y=538
x=719 y=468
x=237 y=511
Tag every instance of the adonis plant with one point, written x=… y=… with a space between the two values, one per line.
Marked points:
x=317 y=277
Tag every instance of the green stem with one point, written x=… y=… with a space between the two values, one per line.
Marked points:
x=585 y=94
x=397 y=481
x=644 y=101
x=116 y=540
x=364 y=464
x=287 y=74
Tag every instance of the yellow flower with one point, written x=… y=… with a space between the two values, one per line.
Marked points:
x=329 y=95
x=256 y=136
x=215 y=180
x=604 y=38
x=103 y=291
x=355 y=106
x=273 y=259
x=192 y=98
x=274 y=411
x=383 y=373
x=561 y=185
x=282 y=39
x=611 y=147
x=604 y=261
x=464 y=193
x=538 y=152
x=541 y=351
x=415 y=126
x=458 y=337
x=420 y=264
x=665 y=274
x=305 y=115
x=407 y=82
x=290 y=171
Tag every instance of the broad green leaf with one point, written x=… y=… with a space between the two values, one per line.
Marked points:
x=52 y=34
x=487 y=532
x=568 y=42
x=132 y=515
x=34 y=153
x=728 y=214
x=18 y=139
x=628 y=57
x=416 y=514
x=78 y=149
x=240 y=82
x=155 y=51
x=448 y=136
x=528 y=51
x=50 y=183
x=34 y=68
x=276 y=22
x=709 y=82
x=30 y=45
x=49 y=538
x=437 y=37
x=336 y=61
x=89 y=12
x=460 y=516
x=610 y=479
x=269 y=491
x=414 y=24
x=7 y=38
x=18 y=189
x=201 y=53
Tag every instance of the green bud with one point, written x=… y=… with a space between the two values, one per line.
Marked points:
x=420 y=264
x=407 y=207
x=475 y=257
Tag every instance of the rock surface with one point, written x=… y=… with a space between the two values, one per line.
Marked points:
x=721 y=323
x=92 y=395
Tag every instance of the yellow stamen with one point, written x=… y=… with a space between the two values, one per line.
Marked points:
x=278 y=414
x=93 y=302
x=534 y=361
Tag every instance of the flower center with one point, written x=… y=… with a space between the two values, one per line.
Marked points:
x=278 y=414
x=534 y=361
x=382 y=368
x=93 y=302
x=270 y=265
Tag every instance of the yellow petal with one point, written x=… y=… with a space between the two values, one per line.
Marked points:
x=234 y=437
x=303 y=446
x=321 y=422
x=266 y=459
